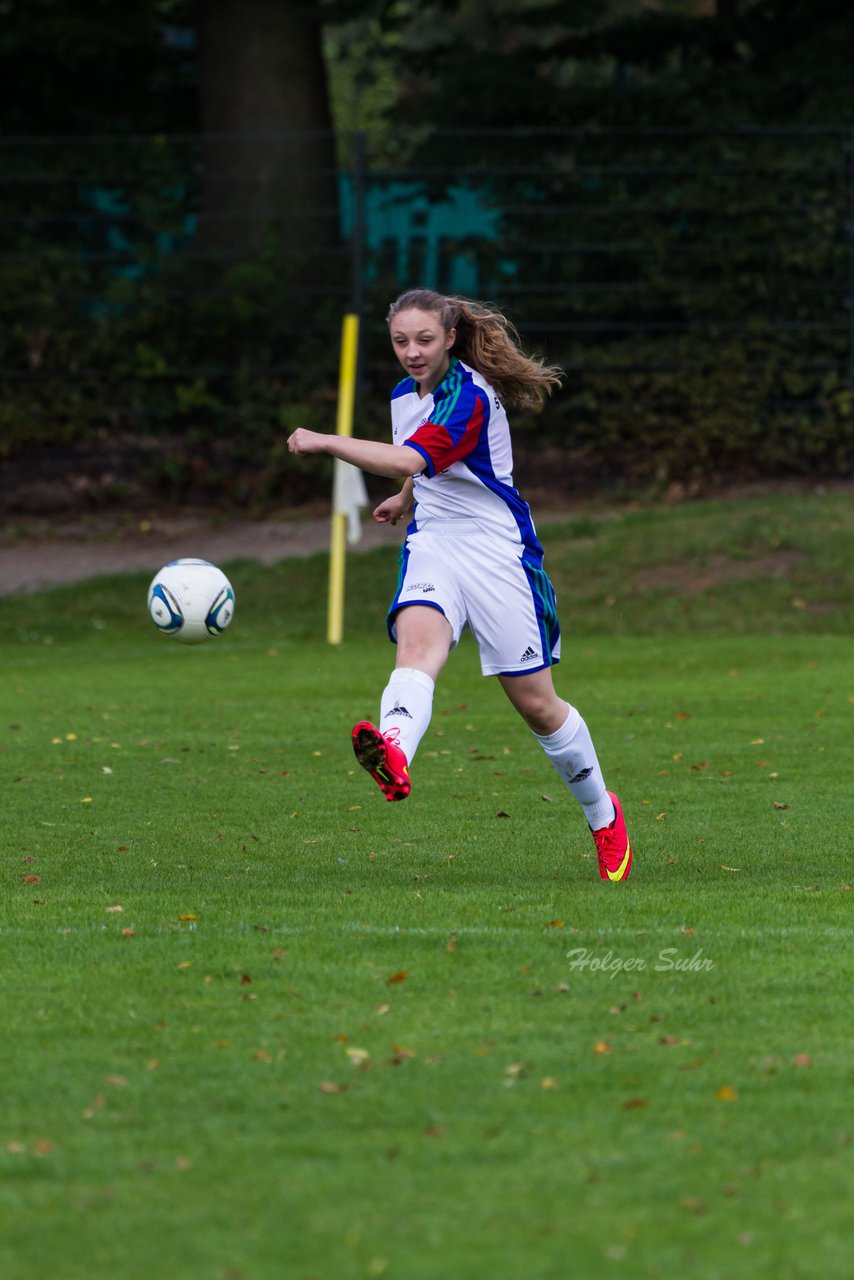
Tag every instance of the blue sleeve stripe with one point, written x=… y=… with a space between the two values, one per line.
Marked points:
x=410 y=444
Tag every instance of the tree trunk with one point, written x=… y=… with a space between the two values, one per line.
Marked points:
x=268 y=148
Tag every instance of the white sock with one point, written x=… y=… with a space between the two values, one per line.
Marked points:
x=571 y=751
x=407 y=705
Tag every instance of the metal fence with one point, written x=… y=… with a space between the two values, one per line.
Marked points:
x=638 y=259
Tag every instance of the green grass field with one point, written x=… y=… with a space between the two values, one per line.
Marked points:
x=259 y=1024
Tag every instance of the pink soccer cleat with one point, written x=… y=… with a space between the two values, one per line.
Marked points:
x=614 y=846
x=383 y=758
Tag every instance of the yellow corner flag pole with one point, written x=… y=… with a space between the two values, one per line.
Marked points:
x=344 y=427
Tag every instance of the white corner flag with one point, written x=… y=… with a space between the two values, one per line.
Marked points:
x=348 y=495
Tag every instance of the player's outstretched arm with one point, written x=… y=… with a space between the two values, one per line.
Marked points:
x=370 y=455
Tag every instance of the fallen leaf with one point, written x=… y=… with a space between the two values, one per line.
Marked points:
x=400 y=976
x=555 y=924
x=185 y=919
x=261 y=1055
x=634 y=1104
x=31 y=879
x=114 y=909
x=802 y=1060
x=128 y=933
x=723 y=868
x=435 y=1131
x=601 y=1046
x=549 y=1082
x=726 y=1093
x=358 y=1056
x=779 y=805
x=330 y=1086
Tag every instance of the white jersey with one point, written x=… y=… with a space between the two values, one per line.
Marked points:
x=461 y=431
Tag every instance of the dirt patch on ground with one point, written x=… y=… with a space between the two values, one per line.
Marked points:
x=41 y=552
x=693 y=580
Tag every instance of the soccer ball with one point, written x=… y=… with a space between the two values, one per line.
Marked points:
x=191 y=600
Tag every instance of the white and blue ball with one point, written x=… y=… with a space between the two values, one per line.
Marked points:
x=191 y=600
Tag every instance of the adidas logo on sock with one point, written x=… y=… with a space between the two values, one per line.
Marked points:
x=580 y=776
x=529 y=655
x=398 y=711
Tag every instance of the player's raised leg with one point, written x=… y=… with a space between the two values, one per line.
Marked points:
x=386 y=750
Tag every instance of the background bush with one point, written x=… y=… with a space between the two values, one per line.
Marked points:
x=693 y=284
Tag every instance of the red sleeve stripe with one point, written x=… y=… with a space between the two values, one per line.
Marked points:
x=436 y=443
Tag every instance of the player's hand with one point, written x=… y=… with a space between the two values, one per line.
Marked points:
x=303 y=441
x=390 y=511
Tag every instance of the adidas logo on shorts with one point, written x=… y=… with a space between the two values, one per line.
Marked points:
x=529 y=655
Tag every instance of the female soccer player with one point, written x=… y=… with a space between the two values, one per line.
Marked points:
x=471 y=556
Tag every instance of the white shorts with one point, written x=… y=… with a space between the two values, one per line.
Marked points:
x=498 y=589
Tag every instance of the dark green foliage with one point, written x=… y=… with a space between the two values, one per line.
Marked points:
x=674 y=230
x=95 y=67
